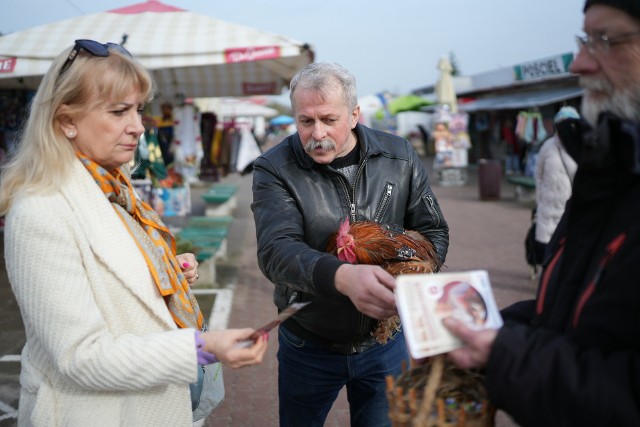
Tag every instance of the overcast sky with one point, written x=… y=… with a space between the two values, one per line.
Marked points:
x=391 y=45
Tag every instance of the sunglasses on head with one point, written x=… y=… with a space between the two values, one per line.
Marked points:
x=94 y=48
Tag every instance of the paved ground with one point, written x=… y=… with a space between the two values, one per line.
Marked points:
x=484 y=234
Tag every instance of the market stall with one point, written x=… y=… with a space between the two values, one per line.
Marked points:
x=189 y=56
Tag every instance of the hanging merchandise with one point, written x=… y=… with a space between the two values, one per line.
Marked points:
x=139 y=171
x=521 y=123
x=165 y=124
x=530 y=128
x=178 y=131
x=482 y=122
x=228 y=150
x=187 y=142
x=216 y=144
x=443 y=146
x=460 y=141
x=442 y=115
x=147 y=165
x=157 y=168
x=512 y=147
x=535 y=132
x=248 y=149
x=451 y=143
x=148 y=162
x=234 y=148
x=208 y=123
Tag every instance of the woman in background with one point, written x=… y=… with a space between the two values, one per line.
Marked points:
x=554 y=176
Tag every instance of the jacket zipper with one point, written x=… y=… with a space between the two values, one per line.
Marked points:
x=382 y=207
x=352 y=205
x=353 y=209
x=431 y=207
x=352 y=196
x=612 y=249
x=352 y=213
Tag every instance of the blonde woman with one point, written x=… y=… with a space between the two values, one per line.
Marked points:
x=113 y=329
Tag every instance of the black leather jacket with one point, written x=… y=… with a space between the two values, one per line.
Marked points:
x=297 y=204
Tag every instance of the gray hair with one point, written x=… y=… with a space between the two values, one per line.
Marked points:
x=325 y=77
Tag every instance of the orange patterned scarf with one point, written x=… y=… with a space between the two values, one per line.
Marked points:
x=154 y=240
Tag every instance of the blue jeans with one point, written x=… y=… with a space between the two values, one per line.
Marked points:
x=310 y=378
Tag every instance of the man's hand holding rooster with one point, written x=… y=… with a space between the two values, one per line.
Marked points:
x=369 y=287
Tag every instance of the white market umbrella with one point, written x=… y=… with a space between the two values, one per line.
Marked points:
x=190 y=55
x=445 y=91
x=228 y=108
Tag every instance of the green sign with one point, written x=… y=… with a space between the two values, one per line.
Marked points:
x=543 y=68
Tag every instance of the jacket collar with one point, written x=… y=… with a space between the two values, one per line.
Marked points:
x=608 y=156
x=109 y=239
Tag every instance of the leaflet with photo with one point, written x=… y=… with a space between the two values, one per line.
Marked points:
x=425 y=299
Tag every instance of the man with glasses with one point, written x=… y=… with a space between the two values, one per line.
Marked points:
x=571 y=357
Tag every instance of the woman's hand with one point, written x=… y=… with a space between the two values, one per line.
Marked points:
x=225 y=345
x=189 y=267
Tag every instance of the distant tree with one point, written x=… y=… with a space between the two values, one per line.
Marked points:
x=454 y=64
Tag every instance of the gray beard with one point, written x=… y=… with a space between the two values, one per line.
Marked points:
x=623 y=103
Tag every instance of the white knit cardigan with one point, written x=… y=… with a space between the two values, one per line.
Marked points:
x=102 y=348
x=553 y=186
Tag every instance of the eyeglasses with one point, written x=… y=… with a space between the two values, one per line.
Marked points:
x=601 y=43
x=94 y=48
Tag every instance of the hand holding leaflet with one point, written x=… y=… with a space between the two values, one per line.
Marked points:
x=425 y=299
x=284 y=315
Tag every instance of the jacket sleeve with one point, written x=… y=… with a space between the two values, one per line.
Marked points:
x=283 y=255
x=521 y=312
x=423 y=211
x=541 y=378
x=64 y=324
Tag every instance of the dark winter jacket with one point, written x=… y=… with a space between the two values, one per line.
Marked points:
x=572 y=356
x=298 y=204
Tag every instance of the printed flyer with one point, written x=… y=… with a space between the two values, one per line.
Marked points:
x=425 y=299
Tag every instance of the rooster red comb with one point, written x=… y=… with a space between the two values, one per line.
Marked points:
x=344 y=227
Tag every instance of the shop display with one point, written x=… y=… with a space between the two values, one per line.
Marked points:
x=451 y=144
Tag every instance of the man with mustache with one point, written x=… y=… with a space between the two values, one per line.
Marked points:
x=331 y=169
x=572 y=356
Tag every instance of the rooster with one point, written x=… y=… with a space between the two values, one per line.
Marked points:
x=396 y=250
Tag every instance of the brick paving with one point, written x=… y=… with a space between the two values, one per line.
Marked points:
x=484 y=235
